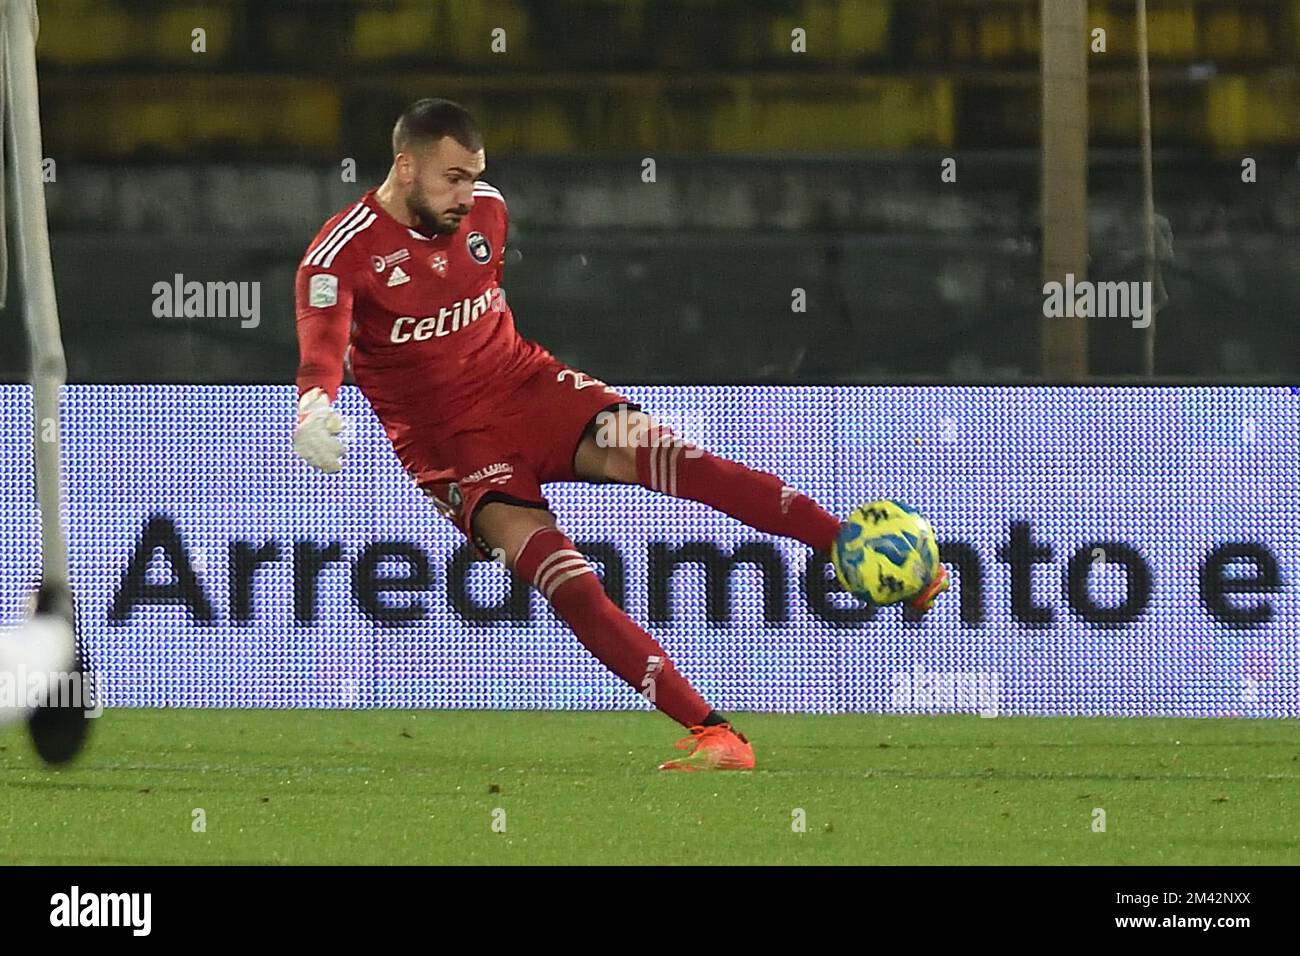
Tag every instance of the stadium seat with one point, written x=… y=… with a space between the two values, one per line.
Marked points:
x=82 y=33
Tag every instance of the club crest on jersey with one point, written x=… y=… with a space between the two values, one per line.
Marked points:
x=479 y=248
x=438 y=263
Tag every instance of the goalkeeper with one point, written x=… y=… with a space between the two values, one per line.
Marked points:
x=404 y=287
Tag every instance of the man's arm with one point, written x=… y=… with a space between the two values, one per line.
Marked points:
x=323 y=302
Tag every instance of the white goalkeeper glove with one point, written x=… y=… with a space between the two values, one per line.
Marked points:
x=316 y=440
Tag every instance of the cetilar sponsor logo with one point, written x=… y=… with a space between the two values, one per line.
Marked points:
x=103 y=909
x=449 y=319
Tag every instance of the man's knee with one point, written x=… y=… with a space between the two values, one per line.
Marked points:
x=609 y=446
x=620 y=465
x=504 y=528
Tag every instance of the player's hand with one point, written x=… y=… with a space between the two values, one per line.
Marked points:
x=316 y=440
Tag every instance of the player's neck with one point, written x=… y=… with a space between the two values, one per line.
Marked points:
x=386 y=196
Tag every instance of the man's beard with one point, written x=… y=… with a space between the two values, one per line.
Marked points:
x=430 y=221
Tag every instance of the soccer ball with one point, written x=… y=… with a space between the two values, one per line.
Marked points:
x=885 y=553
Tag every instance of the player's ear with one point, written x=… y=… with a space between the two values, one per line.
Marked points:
x=404 y=163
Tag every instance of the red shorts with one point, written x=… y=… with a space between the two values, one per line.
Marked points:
x=529 y=439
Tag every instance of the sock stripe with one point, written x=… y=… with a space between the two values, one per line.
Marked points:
x=547 y=578
x=660 y=454
x=552 y=565
x=563 y=574
x=560 y=554
x=653 y=455
x=673 y=455
x=665 y=452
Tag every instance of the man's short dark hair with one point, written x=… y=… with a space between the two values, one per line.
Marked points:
x=429 y=120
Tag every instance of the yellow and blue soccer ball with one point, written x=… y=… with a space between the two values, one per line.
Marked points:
x=885 y=553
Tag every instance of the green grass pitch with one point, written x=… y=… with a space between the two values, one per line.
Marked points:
x=376 y=787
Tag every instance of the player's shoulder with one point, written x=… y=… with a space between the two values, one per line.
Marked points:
x=489 y=195
x=341 y=238
x=490 y=213
x=485 y=190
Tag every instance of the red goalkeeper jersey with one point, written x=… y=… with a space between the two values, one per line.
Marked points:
x=420 y=320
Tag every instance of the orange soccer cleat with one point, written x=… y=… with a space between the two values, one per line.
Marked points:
x=713 y=748
x=925 y=600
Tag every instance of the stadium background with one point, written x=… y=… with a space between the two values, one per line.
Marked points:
x=775 y=171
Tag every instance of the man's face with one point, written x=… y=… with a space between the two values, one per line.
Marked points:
x=442 y=190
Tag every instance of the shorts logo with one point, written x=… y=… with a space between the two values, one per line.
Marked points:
x=498 y=474
x=479 y=248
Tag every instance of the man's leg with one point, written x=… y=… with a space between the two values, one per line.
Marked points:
x=652 y=456
x=535 y=549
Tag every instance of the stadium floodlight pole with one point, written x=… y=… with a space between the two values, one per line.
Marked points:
x=1148 y=191
x=32 y=256
x=1064 y=72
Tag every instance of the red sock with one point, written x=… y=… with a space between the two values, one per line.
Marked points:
x=666 y=464
x=550 y=562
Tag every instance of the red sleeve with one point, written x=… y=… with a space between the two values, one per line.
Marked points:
x=323 y=302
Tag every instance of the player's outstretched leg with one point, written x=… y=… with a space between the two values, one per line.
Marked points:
x=544 y=556
x=654 y=457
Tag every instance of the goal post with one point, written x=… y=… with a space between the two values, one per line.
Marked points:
x=59 y=726
x=29 y=237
